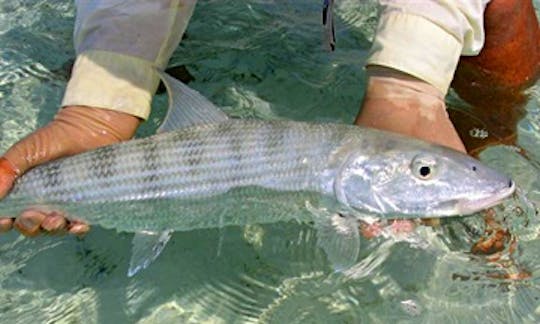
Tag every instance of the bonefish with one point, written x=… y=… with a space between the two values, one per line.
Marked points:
x=206 y=170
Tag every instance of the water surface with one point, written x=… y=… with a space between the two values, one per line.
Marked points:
x=260 y=59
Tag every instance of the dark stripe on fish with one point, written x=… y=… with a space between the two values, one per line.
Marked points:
x=195 y=154
x=103 y=165
x=151 y=165
x=268 y=139
x=51 y=178
x=236 y=148
x=52 y=175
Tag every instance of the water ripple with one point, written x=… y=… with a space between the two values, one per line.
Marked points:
x=261 y=59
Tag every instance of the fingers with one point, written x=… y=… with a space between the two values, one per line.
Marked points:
x=33 y=222
x=78 y=228
x=395 y=227
x=370 y=231
x=54 y=223
x=75 y=129
x=6 y=224
x=29 y=222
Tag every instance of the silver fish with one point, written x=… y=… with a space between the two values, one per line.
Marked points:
x=205 y=170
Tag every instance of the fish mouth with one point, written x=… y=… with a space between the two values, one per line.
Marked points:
x=470 y=206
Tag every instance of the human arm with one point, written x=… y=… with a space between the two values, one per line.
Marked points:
x=411 y=64
x=119 y=45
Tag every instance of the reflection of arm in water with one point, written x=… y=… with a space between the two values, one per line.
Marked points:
x=119 y=45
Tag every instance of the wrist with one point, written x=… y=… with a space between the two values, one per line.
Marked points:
x=400 y=103
x=96 y=122
x=384 y=82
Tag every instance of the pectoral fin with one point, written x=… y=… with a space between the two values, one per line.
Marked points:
x=146 y=248
x=338 y=236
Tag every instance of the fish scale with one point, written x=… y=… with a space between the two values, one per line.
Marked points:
x=192 y=163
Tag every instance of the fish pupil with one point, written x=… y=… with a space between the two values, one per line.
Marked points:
x=425 y=171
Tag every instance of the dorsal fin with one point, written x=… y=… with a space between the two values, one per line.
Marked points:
x=187 y=106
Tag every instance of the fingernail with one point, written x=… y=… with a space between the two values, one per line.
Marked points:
x=26 y=228
x=26 y=223
x=53 y=223
x=79 y=229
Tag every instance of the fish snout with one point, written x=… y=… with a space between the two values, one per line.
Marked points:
x=472 y=205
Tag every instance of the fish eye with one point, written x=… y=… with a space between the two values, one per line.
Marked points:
x=423 y=167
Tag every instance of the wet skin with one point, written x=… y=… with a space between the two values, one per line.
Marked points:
x=75 y=129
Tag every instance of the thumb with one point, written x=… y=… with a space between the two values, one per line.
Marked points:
x=25 y=154
x=75 y=129
x=8 y=174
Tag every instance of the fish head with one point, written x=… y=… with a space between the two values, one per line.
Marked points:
x=419 y=181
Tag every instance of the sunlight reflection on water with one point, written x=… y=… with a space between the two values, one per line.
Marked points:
x=261 y=59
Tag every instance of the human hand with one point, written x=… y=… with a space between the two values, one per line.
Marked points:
x=400 y=103
x=75 y=129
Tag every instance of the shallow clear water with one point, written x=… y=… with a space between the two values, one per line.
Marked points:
x=262 y=59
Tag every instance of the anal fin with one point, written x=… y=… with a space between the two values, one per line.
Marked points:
x=146 y=247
